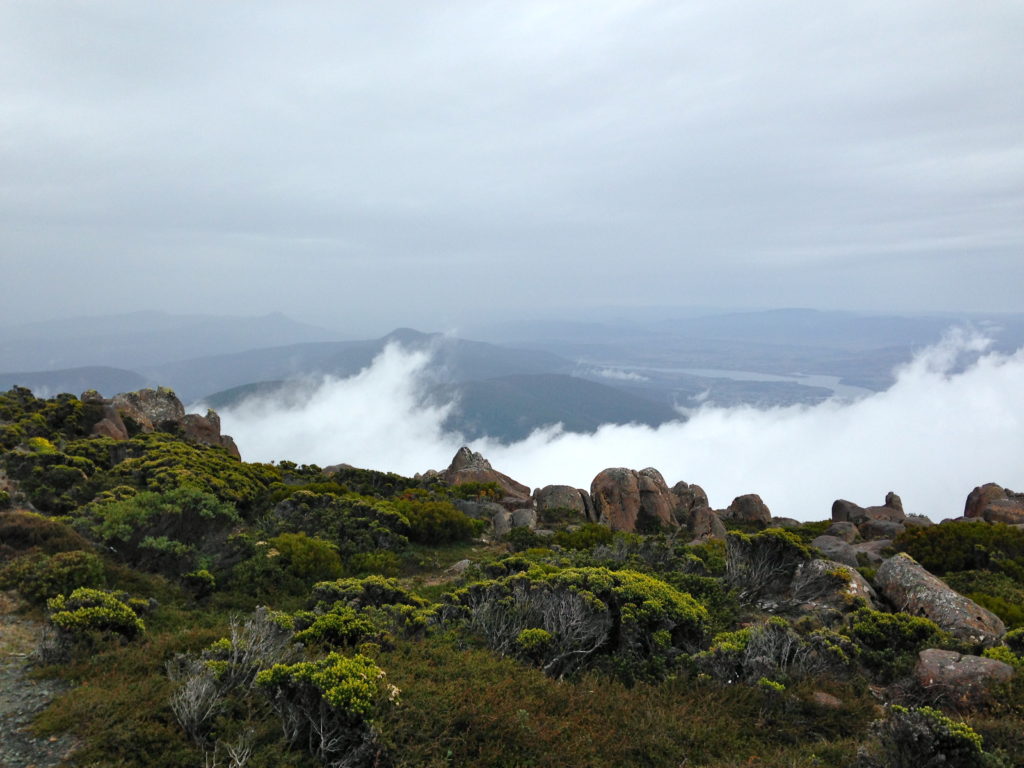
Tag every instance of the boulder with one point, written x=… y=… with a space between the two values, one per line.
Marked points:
x=917 y=521
x=470 y=467
x=835 y=548
x=689 y=498
x=910 y=588
x=562 y=497
x=151 y=409
x=880 y=529
x=843 y=530
x=749 y=508
x=966 y=679
x=872 y=552
x=847 y=511
x=459 y=568
x=627 y=500
x=525 y=517
x=705 y=524
x=995 y=504
x=785 y=522
x=478 y=510
x=825 y=585
x=501 y=523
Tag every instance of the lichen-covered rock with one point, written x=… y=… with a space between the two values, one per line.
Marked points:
x=470 y=467
x=477 y=509
x=627 y=500
x=690 y=497
x=705 y=524
x=835 y=548
x=912 y=589
x=151 y=409
x=785 y=522
x=829 y=585
x=501 y=523
x=873 y=552
x=749 y=508
x=966 y=679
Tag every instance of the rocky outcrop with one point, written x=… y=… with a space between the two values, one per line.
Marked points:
x=552 y=497
x=995 y=504
x=835 y=548
x=847 y=511
x=749 y=508
x=627 y=500
x=825 y=585
x=963 y=678
x=704 y=524
x=874 y=552
x=910 y=588
x=470 y=467
x=525 y=517
x=843 y=530
x=880 y=529
x=477 y=509
x=155 y=410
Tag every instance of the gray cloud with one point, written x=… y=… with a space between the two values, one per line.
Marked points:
x=793 y=153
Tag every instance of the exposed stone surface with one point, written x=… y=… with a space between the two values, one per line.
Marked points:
x=909 y=587
x=880 y=529
x=835 y=548
x=689 y=498
x=705 y=524
x=995 y=504
x=826 y=700
x=478 y=510
x=847 y=511
x=561 y=497
x=156 y=410
x=470 y=467
x=917 y=521
x=829 y=585
x=843 y=530
x=525 y=517
x=749 y=508
x=965 y=678
x=501 y=523
x=459 y=568
x=625 y=499
x=785 y=522
x=872 y=551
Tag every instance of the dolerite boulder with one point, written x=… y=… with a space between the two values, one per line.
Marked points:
x=827 y=586
x=689 y=498
x=749 y=508
x=705 y=524
x=965 y=679
x=156 y=410
x=470 y=467
x=835 y=548
x=554 y=497
x=525 y=517
x=501 y=523
x=627 y=500
x=910 y=588
x=995 y=504
x=847 y=511
x=478 y=510
x=843 y=530
x=880 y=529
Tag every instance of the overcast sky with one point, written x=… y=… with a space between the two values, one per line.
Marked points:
x=377 y=164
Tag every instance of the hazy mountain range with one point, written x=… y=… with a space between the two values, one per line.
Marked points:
x=522 y=376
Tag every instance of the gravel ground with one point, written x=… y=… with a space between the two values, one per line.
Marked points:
x=21 y=697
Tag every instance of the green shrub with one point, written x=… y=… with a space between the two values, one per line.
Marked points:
x=383 y=563
x=353 y=523
x=86 y=611
x=890 y=642
x=360 y=593
x=998 y=592
x=39 y=576
x=328 y=705
x=964 y=546
x=165 y=532
x=586 y=536
x=434 y=522
x=200 y=582
x=911 y=738
x=307 y=558
x=342 y=627
x=21 y=531
x=763 y=563
x=477 y=491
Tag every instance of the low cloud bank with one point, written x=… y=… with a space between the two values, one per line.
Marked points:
x=942 y=428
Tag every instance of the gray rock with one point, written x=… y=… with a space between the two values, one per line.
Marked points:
x=880 y=529
x=749 y=508
x=844 y=530
x=815 y=583
x=873 y=551
x=478 y=510
x=917 y=521
x=835 y=548
x=705 y=524
x=502 y=523
x=785 y=522
x=910 y=588
x=560 y=497
x=525 y=517
x=459 y=568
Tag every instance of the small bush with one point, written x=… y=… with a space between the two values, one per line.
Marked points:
x=763 y=563
x=306 y=557
x=434 y=522
x=586 y=536
x=911 y=738
x=964 y=546
x=890 y=642
x=87 y=616
x=39 y=576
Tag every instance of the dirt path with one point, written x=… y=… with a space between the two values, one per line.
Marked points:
x=21 y=697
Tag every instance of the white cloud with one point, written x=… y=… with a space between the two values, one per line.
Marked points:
x=938 y=432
